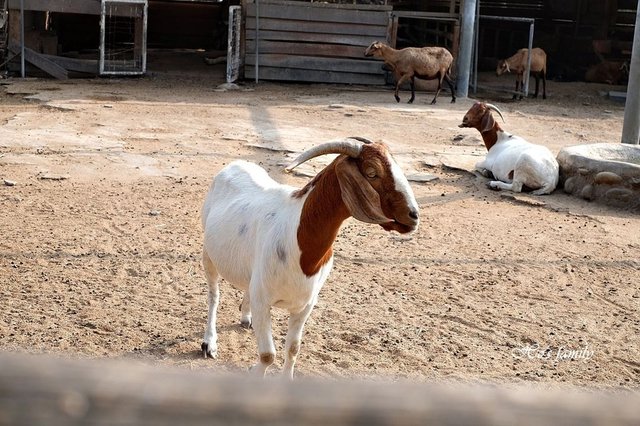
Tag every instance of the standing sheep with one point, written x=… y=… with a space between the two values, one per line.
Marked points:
x=518 y=64
x=426 y=63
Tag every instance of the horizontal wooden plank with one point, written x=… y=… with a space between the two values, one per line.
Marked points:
x=40 y=61
x=373 y=7
x=73 y=64
x=353 y=40
x=43 y=390
x=376 y=31
x=308 y=12
x=317 y=63
x=308 y=49
x=84 y=7
x=314 y=76
x=89 y=7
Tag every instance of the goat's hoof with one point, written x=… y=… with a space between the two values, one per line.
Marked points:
x=493 y=187
x=453 y=101
x=410 y=101
x=246 y=324
x=208 y=352
x=397 y=99
x=433 y=102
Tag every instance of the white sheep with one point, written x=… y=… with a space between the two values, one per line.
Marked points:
x=427 y=63
x=274 y=241
x=513 y=162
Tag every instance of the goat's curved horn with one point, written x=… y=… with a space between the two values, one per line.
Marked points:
x=495 y=108
x=349 y=146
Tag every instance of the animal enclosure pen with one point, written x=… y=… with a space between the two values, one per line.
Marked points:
x=123 y=32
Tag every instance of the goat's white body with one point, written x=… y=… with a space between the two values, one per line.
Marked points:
x=250 y=236
x=514 y=162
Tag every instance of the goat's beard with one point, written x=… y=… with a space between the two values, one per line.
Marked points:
x=398 y=227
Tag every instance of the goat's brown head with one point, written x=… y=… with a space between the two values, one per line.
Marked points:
x=503 y=67
x=372 y=185
x=479 y=117
x=374 y=49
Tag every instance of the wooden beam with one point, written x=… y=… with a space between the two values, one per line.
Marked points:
x=306 y=49
x=347 y=39
x=40 y=61
x=89 y=7
x=313 y=76
x=377 y=32
x=308 y=12
x=73 y=64
x=55 y=392
x=85 y=7
x=317 y=63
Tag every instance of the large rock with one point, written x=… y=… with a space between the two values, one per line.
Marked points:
x=604 y=172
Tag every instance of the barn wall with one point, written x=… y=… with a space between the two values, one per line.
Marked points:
x=574 y=33
x=314 y=42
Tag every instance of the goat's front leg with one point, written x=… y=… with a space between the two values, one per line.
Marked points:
x=412 y=83
x=483 y=169
x=401 y=80
x=294 y=338
x=245 y=311
x=261 y=320
x=515 y=186
x=210 y=343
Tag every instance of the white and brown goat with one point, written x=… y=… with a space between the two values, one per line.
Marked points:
x=275 y=241
x=518 y=65
x=515 y=163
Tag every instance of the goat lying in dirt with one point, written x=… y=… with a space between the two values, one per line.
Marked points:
x=514 y=162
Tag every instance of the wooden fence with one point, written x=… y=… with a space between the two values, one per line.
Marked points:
x=38 y=390
x=313 y=42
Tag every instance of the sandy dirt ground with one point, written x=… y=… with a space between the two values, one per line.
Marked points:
x=100 y=236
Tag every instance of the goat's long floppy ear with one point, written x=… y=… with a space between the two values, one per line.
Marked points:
x=361 y=199
x=487 y=122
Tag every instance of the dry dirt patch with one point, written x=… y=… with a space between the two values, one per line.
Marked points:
x=104 y=262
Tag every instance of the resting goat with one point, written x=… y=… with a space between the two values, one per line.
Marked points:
x=608 y=72
x=518 y=64
x=513 y=161
x=274 y=241
x=427 y=63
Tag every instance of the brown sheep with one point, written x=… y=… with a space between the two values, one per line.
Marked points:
x=518 y=64
x=426 y=63
x=609 y=72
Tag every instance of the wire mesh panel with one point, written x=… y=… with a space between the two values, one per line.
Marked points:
x=123 y=37
x=233 y=44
